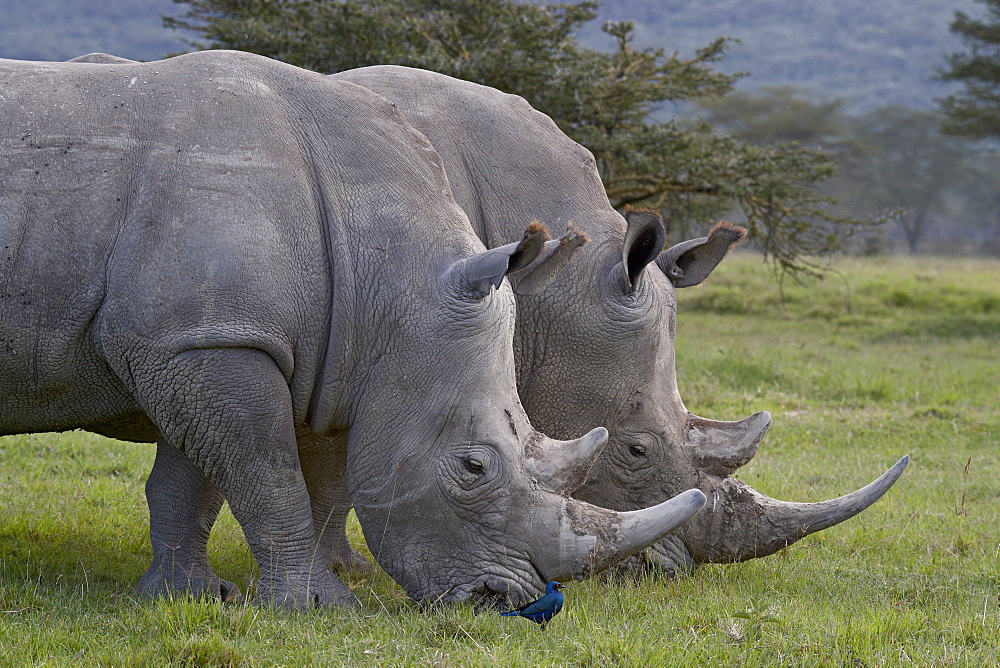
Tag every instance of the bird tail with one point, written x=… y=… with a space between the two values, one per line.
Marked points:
x=510 y=613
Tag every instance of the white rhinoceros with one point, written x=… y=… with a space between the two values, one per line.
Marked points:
x=263 y=269
x=597 y=346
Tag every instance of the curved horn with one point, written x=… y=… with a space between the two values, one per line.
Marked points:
x=722 y=447
x=592 y=539
x=742 y=523
x=562 y=466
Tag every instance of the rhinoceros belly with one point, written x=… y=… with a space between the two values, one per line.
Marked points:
x=52 y=377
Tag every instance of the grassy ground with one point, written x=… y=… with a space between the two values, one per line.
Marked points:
x=895 y=357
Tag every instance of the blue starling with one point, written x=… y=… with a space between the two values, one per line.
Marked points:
x=544 y=609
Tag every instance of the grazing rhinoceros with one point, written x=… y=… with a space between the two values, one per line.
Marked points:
x=597 y=346
x=263 y=270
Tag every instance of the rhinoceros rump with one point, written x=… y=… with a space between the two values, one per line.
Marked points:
x=596 y=347
x=263 y=270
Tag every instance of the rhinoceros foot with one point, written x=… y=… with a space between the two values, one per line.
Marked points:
x=320 y=589
x=173 y=580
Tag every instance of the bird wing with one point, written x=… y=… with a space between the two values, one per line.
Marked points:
x=541 y=605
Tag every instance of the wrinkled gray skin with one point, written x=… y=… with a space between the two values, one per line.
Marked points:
x=263 y=270
x=597 y=346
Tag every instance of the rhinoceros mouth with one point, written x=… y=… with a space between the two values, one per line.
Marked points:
x=489 y=592
x=485 y=599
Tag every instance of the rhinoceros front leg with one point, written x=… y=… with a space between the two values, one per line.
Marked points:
x=229 y=411
x=324 y=465
x=183 y=506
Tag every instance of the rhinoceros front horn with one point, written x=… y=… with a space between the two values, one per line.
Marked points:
x=740 y=523
x=592 y=538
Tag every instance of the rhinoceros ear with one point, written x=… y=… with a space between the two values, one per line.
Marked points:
x=475 y=276
x=690 y=262
x=644 y=239
x=533 y=278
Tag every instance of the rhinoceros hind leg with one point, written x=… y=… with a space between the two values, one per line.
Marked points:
x=167 y=582
x=351 y=561
x=183 y=506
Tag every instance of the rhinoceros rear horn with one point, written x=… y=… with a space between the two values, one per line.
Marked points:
x=722 y=447
x=477 y=274
x=562 y=466
x=644 y=239
x=690 y=262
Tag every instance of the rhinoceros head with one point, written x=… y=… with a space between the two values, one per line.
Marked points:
x=625 y=376
x=596 y=347
x=463 y=499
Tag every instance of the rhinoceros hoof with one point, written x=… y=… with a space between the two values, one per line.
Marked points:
x=156 y=584
x=354 y=562
x=343 y=596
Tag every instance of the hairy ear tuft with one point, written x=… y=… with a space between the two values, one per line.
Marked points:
x=538 y=227
x=638 y=209
x=573 y=231
x=735 y=233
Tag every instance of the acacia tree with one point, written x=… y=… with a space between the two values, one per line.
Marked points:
x=908 y=163
x=607 y=101
x=892 y=159
x=976 y=111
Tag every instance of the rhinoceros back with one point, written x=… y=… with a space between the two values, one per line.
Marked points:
x=201 y=201
x=507 y=162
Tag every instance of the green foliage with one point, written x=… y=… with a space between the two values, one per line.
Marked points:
x=756 y=615
x=774 y=115
x=901 y=160
x=854 y=378
x=976 y=111
x=608 y=101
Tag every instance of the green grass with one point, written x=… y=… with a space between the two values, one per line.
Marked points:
x=899 y=357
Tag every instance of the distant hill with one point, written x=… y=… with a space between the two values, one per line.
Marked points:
x=869 y=52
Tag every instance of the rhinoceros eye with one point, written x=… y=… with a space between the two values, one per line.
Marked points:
x=473 y=465
x=638 y=450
